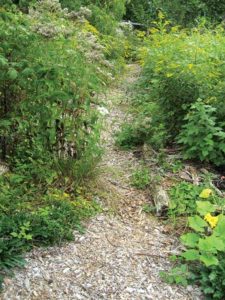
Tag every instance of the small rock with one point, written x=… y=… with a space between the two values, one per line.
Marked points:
x=161 y=199
x=27 y=284
x=190 y=288
x=66 y=270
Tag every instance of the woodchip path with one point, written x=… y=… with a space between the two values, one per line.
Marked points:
x=123 y=250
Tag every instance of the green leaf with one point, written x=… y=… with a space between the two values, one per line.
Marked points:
x=190 y=239
x=209 y=260
x=28 y=237
x=27 y=72
x=3 y=61
x=204 y=207
x=14 y=234
x=211 y=244
x=197 y=223
x=12 y=74
x=220 y=228
x=191 y=254
x=205 y=193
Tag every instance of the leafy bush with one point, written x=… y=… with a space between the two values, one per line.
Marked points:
x=179 y=68
x=183 y=197
x=129 y=137
x=55 y=96
x=185 y=13
x=211 y=279
x=141 y=178
x=140 y=11
x=52 y=63
x=201 y=136
x=202 y=260
x=145 y=126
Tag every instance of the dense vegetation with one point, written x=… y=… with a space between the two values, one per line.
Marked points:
x=54 y=62
x=178 y=104
x=181 y=92
x=180 y=12
x=56 y=57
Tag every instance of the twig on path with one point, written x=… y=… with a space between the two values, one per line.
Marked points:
x=110 y=241
x=150 y=254
x=117 y=184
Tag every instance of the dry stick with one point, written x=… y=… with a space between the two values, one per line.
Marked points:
x=153 y=255
x=110 y=241
x=117 y=184
x=216 y=189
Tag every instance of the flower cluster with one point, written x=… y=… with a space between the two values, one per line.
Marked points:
x=211 y=220
x=205 y=193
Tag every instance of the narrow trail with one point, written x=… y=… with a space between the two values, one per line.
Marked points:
x=123 y=249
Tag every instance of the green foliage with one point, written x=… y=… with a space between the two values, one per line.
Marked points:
x=52 y=63
x=201 y=136
x=179 y=68
x=182 y=12
x=144 y=128
x=183 y=197
x=149 y=208
x=129 y=137
x=211 y=279
x=33 y=219
x=185 y=13
x=203 y=257
x=177 y=275
x=55 y=96
x=140 y=11
x=104 y=14
x=141 y=178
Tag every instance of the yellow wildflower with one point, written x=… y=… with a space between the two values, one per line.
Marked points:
x=190 y=66
x=211 y=220
x=66 y=195
x=205 y=193
x=90 y=28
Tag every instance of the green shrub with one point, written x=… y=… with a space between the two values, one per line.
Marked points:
x=183 y=197
x=202 y=260
x=201 y=136
x=185 y=13
x=51 y=65
x=55 y=96
x=179 y=68
x=128 y=137
x=141 y=178
x=211 y=279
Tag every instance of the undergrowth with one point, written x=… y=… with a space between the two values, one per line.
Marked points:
x=179 y=97
x=54 y=62
x=178 y=105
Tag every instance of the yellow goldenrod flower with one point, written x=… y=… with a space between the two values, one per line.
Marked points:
x=211 y=220
x=205 y=193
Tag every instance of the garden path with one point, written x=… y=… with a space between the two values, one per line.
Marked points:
x=120 y=255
